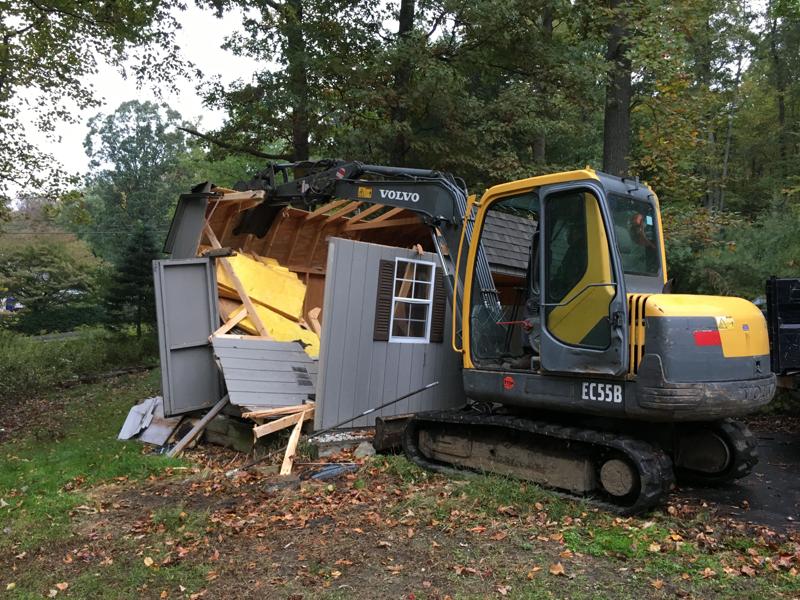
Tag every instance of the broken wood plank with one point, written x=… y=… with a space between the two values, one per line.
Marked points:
x=237 y=284
x=325 y=208
x=233 y=321
x=199 y=427
x=282 y=423
x=291 y=448
x=365 y=213
x=313 y=320
x=248 y=195
x=280 y=410
x=375 y=224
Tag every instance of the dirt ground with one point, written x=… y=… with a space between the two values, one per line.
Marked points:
x=388 y=530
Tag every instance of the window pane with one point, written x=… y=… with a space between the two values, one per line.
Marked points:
x=417 y=329
x=404 y=270
x=423 y=273
x=566 y=245
x=413 y=291
x=578 y=271
x=402 y=289
x=635 y=230
x=401 y=309
x=418 y=312
x=400 y=328
x=422 y=290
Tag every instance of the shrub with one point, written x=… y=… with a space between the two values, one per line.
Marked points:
x=29 y=365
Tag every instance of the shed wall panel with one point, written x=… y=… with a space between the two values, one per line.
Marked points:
x=357 y=373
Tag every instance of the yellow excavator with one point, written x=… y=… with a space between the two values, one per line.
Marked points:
x=583 y=372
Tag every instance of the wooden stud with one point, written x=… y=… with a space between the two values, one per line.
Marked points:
x=387 y=215
x=280 y=410
x=325 y=208
x=379 y=224
x=199 y=427
x=345 y=211
x=365 y=213
x=313 y=320
x=291 y=448
x=282 y=423
x=236 y=318
x=238 y=285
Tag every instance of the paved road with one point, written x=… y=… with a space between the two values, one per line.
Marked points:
x=772 y=489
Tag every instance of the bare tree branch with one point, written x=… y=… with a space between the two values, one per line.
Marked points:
x=234 y=147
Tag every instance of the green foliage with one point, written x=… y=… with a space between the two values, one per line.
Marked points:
x=29 y=365
x=48 y=49
x=136 y=154
x=130 y=296
x=45 y=275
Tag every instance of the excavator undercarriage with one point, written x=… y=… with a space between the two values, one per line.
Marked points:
x=611 y=468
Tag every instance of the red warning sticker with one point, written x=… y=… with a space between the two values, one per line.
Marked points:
x=508 y=382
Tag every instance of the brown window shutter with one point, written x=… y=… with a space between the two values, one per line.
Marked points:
x=439 y=309
x=383 y=301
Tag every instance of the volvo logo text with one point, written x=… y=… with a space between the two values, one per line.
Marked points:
x=395 y=195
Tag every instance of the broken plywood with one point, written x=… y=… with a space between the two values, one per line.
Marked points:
x=266 y=283
x=264 y=373
x=276 y=327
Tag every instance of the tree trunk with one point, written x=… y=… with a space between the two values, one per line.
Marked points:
x=780 y=90
x=540 y=141
x=402 y=81
x=617 y=118
x=297 y=59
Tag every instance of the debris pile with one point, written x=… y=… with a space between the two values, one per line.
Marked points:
x=270 y=265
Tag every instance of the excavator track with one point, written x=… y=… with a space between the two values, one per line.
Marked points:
x=740 y=454
x=617 y=473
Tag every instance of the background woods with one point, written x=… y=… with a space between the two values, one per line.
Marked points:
x=700 y=98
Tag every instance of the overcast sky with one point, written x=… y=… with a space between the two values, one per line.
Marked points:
x=200 y=39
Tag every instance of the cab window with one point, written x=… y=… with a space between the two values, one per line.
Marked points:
x=635 y=230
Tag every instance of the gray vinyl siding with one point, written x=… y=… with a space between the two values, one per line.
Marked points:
x=357 y=373
x=263 y=373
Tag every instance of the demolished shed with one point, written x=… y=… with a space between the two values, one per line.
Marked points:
x=335 y=307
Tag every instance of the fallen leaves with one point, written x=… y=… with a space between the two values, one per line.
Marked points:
x=148 y=561
x=533 y=571
x=657 y=583
x=654 y=547
x=708 y=573
x=557 y=569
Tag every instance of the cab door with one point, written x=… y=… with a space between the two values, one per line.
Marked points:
x=582 y=297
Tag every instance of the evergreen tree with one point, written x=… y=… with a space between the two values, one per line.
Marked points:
x=130 y=297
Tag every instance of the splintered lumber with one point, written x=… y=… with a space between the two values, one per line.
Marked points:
x=280 y=410
x=282 y=423
x=237 y=284
x=313 y=320
x=199 y=427
x=232 y=321
x=266 y=283
x=291 y=447
x=279 y=328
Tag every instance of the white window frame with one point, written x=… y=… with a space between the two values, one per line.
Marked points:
x=432 y=283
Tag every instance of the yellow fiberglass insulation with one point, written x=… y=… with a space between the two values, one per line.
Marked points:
x=266 y=282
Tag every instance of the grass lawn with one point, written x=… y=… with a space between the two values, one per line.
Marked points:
x=86 y=516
